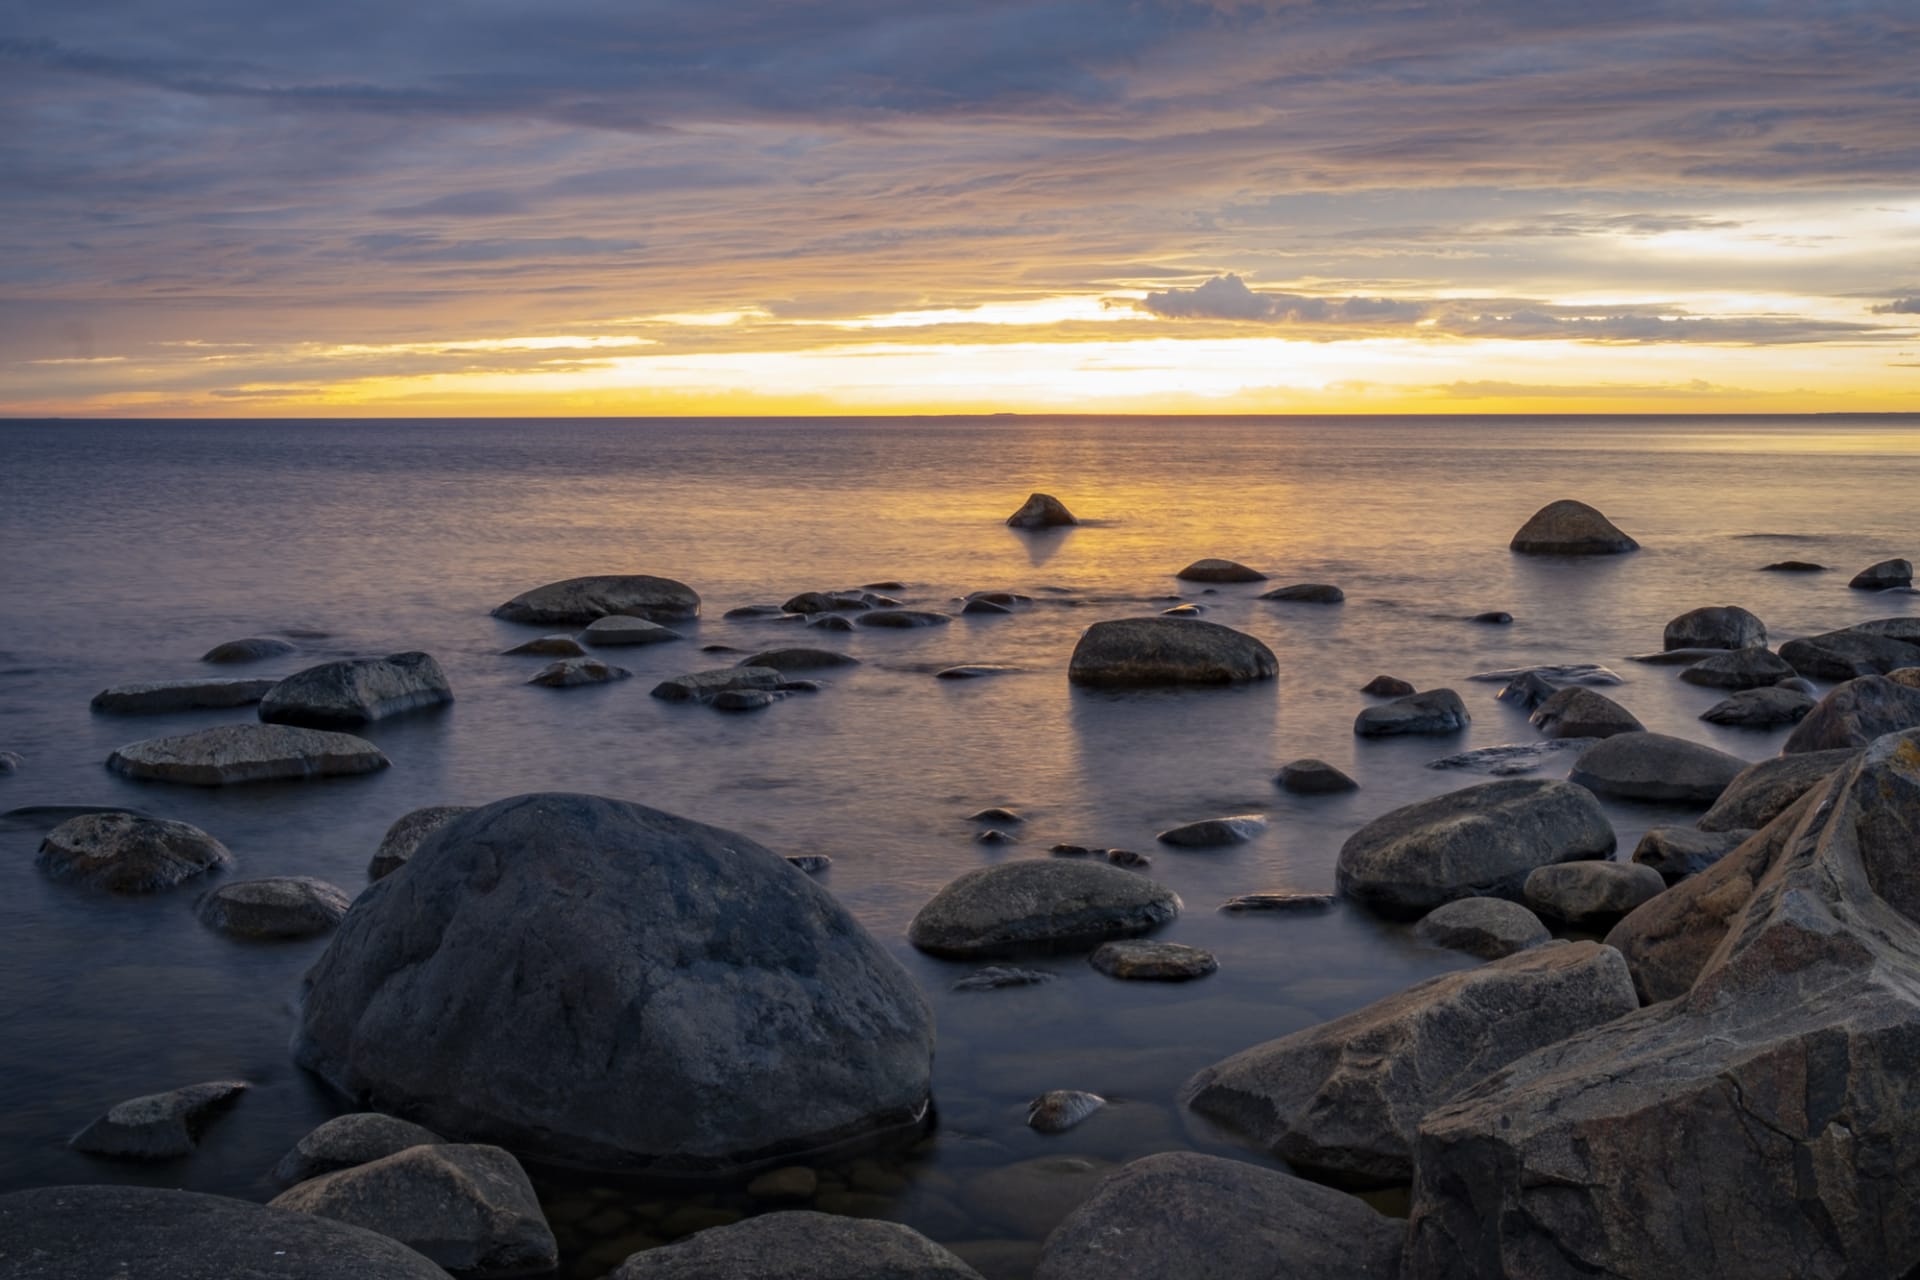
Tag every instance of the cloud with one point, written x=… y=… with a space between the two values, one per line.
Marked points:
x=1899 y=307
x=1493 y=390
x=1228 y=298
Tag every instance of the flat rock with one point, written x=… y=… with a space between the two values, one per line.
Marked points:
x=554 y=646
x=357 y=691
x=1569 y=528
x=1750 y=668
x=126 y=853
x=1883 y=576
x=1491 y=928
x=1310 y=777
x=1041 y=511
x=973 y=671
x=1715 y=627
x=1793 y=566
x=1219 y=571
x=1279 y=903
x=1527 y=691
x=1562 y=673
x=977 y=607
x=236 y=753
x=251 y=649
x=1512 y=759
x=743 y=699
x=902 y=619
x=1655 y=767
x=1307 y=593
x=158 y=1126
x=1679 y=852
x=1675 y=657
x=800 y=659
x=1854 y=714
x=154 y=697
x=1215 y=833
x=1437 y=711
x=1143 y=961
x=345 y=1141
x=1040 y=904
x=1844 y=655
x=1905 y=627
x=1760 y=708
x=1345 y=1097
x=405 y=835
x=1167 y=651
x=568 y=672
x=621 y=629
x=1058 y=1110
x=1481 y=841
x=276 y=907
x=1766 y=788
x=1384 y=686
x=995 y=976
x=578 y=601
x=702 y=686
x=1585 y=894
x=1582 y=713
x=799 y=1245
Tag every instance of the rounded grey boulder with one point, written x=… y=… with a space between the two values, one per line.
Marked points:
x=578 y=601
x=252 y=649
x=1760 y=708
x=1139 y=960
x=554 y=646
x=1715 y=627
x=1310 y=777
x=1588 y=893
x=1167 y=651
x=799 y=1245
x=277 y=907
x=597 y=983
x=1307 y=593
x=1436 y=711
x=1219 y=571
x=1753 y=667
x=235 y=753
x=125 y=853
x=345 y=1141
x=1653 y=766
x=1569 y=528
x=357 y=691
x=1574 y=712
x=1490 y=928
x=1844 y=655
x=1762 y=791
x=1041 y=511
x=1039 y=904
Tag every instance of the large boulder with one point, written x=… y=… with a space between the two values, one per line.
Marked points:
x=1715 y=627
x=1843 y=655
x=1185 y=1216
x=1762 y=1123
x=1436 y=711
x=598 y=983
x=143 y=1233
x=1884 y=576
x=1754 y=667
x=276 y=907
x=357 y=691
x=799 y=1245
x=1219 y=571
x=158 y=1126
x=1039 y=904
x=1760 y=708
x=1903 y=627
x=360 y=1137
x=234 y=753
x=1480 y=841
x=156 y=697
x=1574 y=712
x=1763 y=790
x=1345 y=1097
x=579 y=601
x=1167 y=651
x=1854 y=714
x=1041 y=511
x=126 y=853
x=1569 y=528
x=1655 y=767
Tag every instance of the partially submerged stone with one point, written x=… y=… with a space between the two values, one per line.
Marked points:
x=554 y=646
x=357 y=691
x=157 y=1126
x=1310 y=777
x=1058 y=1110
x=1655 y=767
x=1039 y=904
x=1582 y=713
x=902 y=619
x=703 y=686
x=624 y=630
x=1279 y=903
x=1384 y=686
x=1764 y=789
x=251 y=649
x=1041 y=511
x=1513 y=759
x=1307 y=593
x=1844 y=655
x=1884 y=576
x=1215 y=833
x=1146 y=961
x=569 y=672
x=1754 y=667
x=236 y=753
x=276 y=907
x=1437 y=711
x=1220 y=571
x=1569 y=528
x=1491 y=928
x=799 y=1245
x=345 y=1141
x=406 y=833
x=578 y=601
x=1559 y=673
x=127 y=853
x=1715 y=627
x=1527 y=690
x=1586 y=894
x=156 y=697
x=1760 y=708
x=1167 y=651
x=787 y=661
x=1854 y=714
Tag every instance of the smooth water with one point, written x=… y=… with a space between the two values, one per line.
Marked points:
x=131 y=548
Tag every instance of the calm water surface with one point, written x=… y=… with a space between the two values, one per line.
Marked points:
x=132 y=548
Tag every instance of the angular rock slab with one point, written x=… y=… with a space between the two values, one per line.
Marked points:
x=799 y=1245
x=1854 y=714
x=1186 y=1216
x=1655 y=767
x=576 y=602
x=1345 y=1097
x=597 y=983
x=625 y=629
x=276 y=907
x=158 y=1126
x=1139 y=652
x=126 y=853
x=1569 y=528
x=1436 y=711
x=357 y=691
x=235 y=753
x=157 y=697
x=1761 y=1123
x=345 y=1141
x=140 y=1233
x=1041 y=511
x=1039 y=904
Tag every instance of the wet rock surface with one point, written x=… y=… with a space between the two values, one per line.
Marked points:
x=1437 y=711
x=1655 y=767
x=251 y=649
x=406 y=833
x=345 y=1141
x=1749 y=668
x=1491 y=928
x=277 y=907
x=1582 y=713
x=1763 y=790
x=1854 y=714
x=1214 y=833
x=1883 y=576
x=1587 y=894
x=1041 y=511
x=1679 y=852
x=1307 y=593
x=1040 y=904
x=357 y=691
x=1141 y=961
x=569 y=672
x=620 y=629
x=1310 y=777
x=239 y=753
x=1219 y=571
x=1570 y=528
x=155 y=697
x=1760 y=708
x=1715 y=627
x=127 y=853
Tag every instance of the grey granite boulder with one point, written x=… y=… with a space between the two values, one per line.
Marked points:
x=1436 y=711
x=597 y=983
x=406 y=833
x=1843 y=655
x=276 y=907
x=251 y=649
x=156 y=697
x=1586 y=894
x=1655 y=767
x=1041 y=511
x=578 y=601
x=1715 y=627
x=799 y=1245
x=1345 y=1097
x=1760 y=708
x=1883 y=576
x=143 y=1233
x=345 y=1141
x=787 y=661
x=1491 y=928
x=1039 y=904
x=126 y=853
x=1569 y=528
x=704 y=686
x=1215 y=833
x=1167 y=651
x=468 y=1208
x=1679 y=852
x=1581 y=713
x=357 y=691
x=158 y=1126
x=1307 y=593
x=1141 y=960
x=1310 y=777
x=1854 y=714
x=1763 y=790
x=1480 y=841
x=1185 y=1216
x=235 y=753
x=1219 y=571
x=1754 y=667
x=625 y=630
x=569 y=672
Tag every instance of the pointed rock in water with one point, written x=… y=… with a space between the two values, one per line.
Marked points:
x=1044 y=904
x=157 y=1126
x=1750 y=668
x=568 y=672
x=1220 y=571
x=1679 y=852
x=1058 y=1110
x=1144 y=652
x=1569 y=528
x=578 y=601
x=1763 y=790
x=1587 y=673
x=799 y=1244
x=555 y=646
x=1844 y=655
x=995 y=976
x=357 y=691
x=125 y=853
x=1434 y=712
x=235 y=753
x=619 y=629
x=1514 y=758
x=1310 y=777
x=1307 y=593
x=1760 y=708
x=811 y=863
x=1041 y=511
x=1589 y=893
x=1653 y=766
x=1139 y=961
x=1387 y=687
x=702 y=686
x=993 y=835
x=1491 y=928
x=1715 y=627
x=1582 y=713
x=1526 y=691
x=1793 y=566
x=996 y=814
x=1215 y=833
x=799 y=659
x=252 y=649
x=345 y=1141
x=406 y=834
x=1854 y=714
x=278 y=907
x=1279 y=903
x=155 y=697
x=1883 y=576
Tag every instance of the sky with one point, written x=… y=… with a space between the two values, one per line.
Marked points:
x=592 y=207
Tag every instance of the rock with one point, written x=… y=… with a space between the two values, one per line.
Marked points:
x=1588 y=893
x=973 y=671
x=1309 y=777
x=1801 y=685
x=1586 y=673
x=702 y=686
x=1215 y=833
x=994 y=976
x=1793 y=566
x=1767 y=788
x=1844 y=655
x=235 y=753
x=743 y=699
x=45 y=817
x=1750 y=668
x=902 y=619
x=468 y=1208
x=1882 y=576
x=1005 y=599
x=158 y=696
x=790 y=660
x=1434 y=712
x=831 y=622
x=252 y=649
x=143 y=1233
x=1288 y=903
x=1167 y=651
x=1715 y=627
x=10 y=762
x=1032 y=1197
x=1778 y=1082
x=799 y=1245
x=345 y=1141
x=1152 y=961
x=1185 y=1216
x=997 y=813
x=578 y=601
x=1527 y=691
x=1512 y=759
x=1058 y=1110
x=1679 y=852
x=1653 y=766
x=1480 y=841
x=1345 y=1097
x=1490 y=928
x=1387 y=687
x=568 y=672
x=1183 y=611
x=750 y=611
x=1569 y=528
x=1900 y=628
x=1854 y=714
x=1041 y=511
x=993 y=835
x=1307 y=593
x=1219 y=571
x=555 y=646
x=984 y=606
x=1128 y=858
x=684 y=1001
x=405 y=835
x=619 y=629
x=125 y=853
x=1760 y=708
x=278 y=907
x=1582 y=713
x=826 y=602
x=357 y=691
x=158 y=1126
x=810 y=863
x=794 y=1182
x=1045 y=904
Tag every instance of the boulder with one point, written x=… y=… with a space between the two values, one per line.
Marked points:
x=703 y=686
x=1844 y=655
x=1491 y=928
x=1493 y=618
x=622 y=629
x=158 y=1126
x=126 y=853
x=815 y=602
x=277 y=907
x=1039 y=904
x=799 y=1245
x=1585 y=894
x=1754 y=667
x=1219 y=571
x=1854 y=714
x=578 y=601
x=1511 y=759
x=345 y=1141
x=1883 y=576
x=597 y=983
x=357 y=691
x=251 y=649
x=1904 y=627
x=1760 y=708
x=1908 y=676
x=1527 y=691
x=995 y=976
x=1387 y=687
x=1181 y=1215
x=555 y=646
x=568 y=672
x=1058 y=1110
x=468 y=1208
x=1481 y=841
x=1762 y=791
x=1560 y=673
x=1582 y=713
x=1569 y=528
x=1307 y=593
x=830 y=622
x=1757 y=1124
x=790 y=660
x=1288 y=903
x=236 y=753
x=1215 y=833
x=1715 y=627
x=1655 y=767
x=984 y=606
x=155 y=697
x=1167 y=651
x=1041 y=511
x=1679 y=852
x=143 y=1233
x=1310 y=777
x=1793 y=566
x=405 y=835
x=902 y=619
x=1143 y=961
x=1436 y=711
x=1344 y=1098
x=973 y=671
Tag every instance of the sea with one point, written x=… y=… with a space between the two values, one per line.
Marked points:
x=127 y=549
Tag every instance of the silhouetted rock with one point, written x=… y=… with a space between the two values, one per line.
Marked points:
x=1220 y=571
x=236 y=753
x=1167 y=651
x=902 y=619
x=1043 y=904
x=158 y=1126
x=1041 y=511
x=1433 y=712
x=1653 y=766
x=1854 y=714
x=357 y=691
x=1491 y=928
x=125 y=853
x=1492 y=618
x=252 y=649
x=1715 y=627
x=578 y=601
x=1582 y=713
x=1794 y=566
x=1387 y=687
x=1569 y=528
x=973 y=671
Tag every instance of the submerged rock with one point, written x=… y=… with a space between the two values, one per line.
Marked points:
x=620 y=629
x=1590 y=893
x=357 y=691
x=1527 y=691
x=1279 y=903
x=814 y=602
x=1141 y=961
x=973 y=671
x=1679 y=852
x=1310 y=777
x=799 y=659
x=236 y=753
x=405 y=835
x=799 y=1245
x=126 y=853
x=1793 y=566
x=1167 y=651
x=158 y=1126
x=1058 y=1110
x=1492 y=618
x=1220 y=571
x=1307 y=593
x=1044 y=904
x=1387 y=687
x=555 y=646
x=155 y=697
x=10 y=762
x=1760 y=708
x=1854 y=714
x=251 y=649
x=578 y=601
x=1491 y=928
x=743 y=699
x=1582 y=713
x=703 y=686
x=902 y=619
x=1215 y=833
x=984 y=607
x=1512 y=759
x=1715 y=627
x=1041 y=511
x=830 y=622
x=278 y=907
x=1436 y=711
x=995 y=976
x=1883 y=576
x=568 y=672
x=345 y=1141
x=1569 y=528
x=1750 y=668
x=1653 y=766
x=1763 y=790
x=1845 y=655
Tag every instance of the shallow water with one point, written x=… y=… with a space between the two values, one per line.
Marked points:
x=132 y=548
